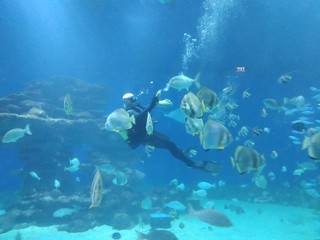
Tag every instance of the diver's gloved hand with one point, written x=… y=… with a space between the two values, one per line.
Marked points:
x=155 y=99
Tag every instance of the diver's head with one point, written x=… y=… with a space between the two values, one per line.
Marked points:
x=129 y=100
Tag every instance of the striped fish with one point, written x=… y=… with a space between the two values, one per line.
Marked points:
x=191 y=106
x=96 y=190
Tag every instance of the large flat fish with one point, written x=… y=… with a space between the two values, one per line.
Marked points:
x=191 y=106
x=212 y=217
x=157 y=235
x=246 y=159
x=215 y=135
x=119 y=120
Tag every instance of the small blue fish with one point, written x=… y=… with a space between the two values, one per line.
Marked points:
x=297 y=132
x=206 y=185
x=34 y=175
x=56 y=183
x=316 y=97
x=306 y=122
x=308 y=112
x=314 y=89
x=303 y=118
x=294 y=138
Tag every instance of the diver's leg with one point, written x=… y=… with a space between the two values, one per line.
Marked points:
x=162 y=141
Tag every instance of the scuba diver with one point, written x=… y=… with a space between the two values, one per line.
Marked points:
x=138 y=135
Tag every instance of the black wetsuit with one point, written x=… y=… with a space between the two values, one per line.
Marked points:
x=138 y=135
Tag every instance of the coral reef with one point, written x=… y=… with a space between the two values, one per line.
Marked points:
x=47 y=152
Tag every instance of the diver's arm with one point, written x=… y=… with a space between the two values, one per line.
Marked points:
x=154 y=102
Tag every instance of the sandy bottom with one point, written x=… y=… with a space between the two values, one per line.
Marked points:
x=259 y=222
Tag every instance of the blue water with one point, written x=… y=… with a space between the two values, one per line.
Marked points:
x=138 y=45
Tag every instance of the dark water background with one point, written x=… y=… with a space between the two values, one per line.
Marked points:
x=126 y=44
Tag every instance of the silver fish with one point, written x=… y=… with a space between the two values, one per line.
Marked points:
x=182 y=82
x=15 y=134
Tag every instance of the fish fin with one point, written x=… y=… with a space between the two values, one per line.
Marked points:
x=140 y=235
x=196 y=81
x=133 y=119
x=27 y=129
x=97 y=167
x=306 y=143
x=124 y=135
x=233 y=162
x=201 y=137
x=191 y=210
x=220 y=147
x=203 y=106
x=167 y=87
